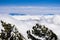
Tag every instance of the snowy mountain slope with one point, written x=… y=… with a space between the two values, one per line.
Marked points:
x=49 y=20
x=11 y=20
x=23 y=26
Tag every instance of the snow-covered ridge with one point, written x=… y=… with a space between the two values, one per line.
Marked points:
x=52 y=22
x=49 y=20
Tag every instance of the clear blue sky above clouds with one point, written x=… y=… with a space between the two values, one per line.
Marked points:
x=30 y=2
x=30 y=7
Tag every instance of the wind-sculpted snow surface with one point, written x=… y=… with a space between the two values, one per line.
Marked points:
x=24 y=23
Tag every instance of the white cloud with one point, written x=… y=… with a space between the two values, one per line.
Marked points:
x=29 y=10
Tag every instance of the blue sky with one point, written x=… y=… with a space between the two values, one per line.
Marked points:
x=30 y=7
x=29 y=2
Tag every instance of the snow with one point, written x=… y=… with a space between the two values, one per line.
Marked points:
x=24 y=23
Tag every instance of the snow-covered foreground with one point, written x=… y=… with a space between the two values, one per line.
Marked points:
x=24 y=23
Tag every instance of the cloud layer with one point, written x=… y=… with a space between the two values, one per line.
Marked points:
x=30 y=10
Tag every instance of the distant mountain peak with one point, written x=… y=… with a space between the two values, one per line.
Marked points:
x=48 y=14
x=13 y=14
